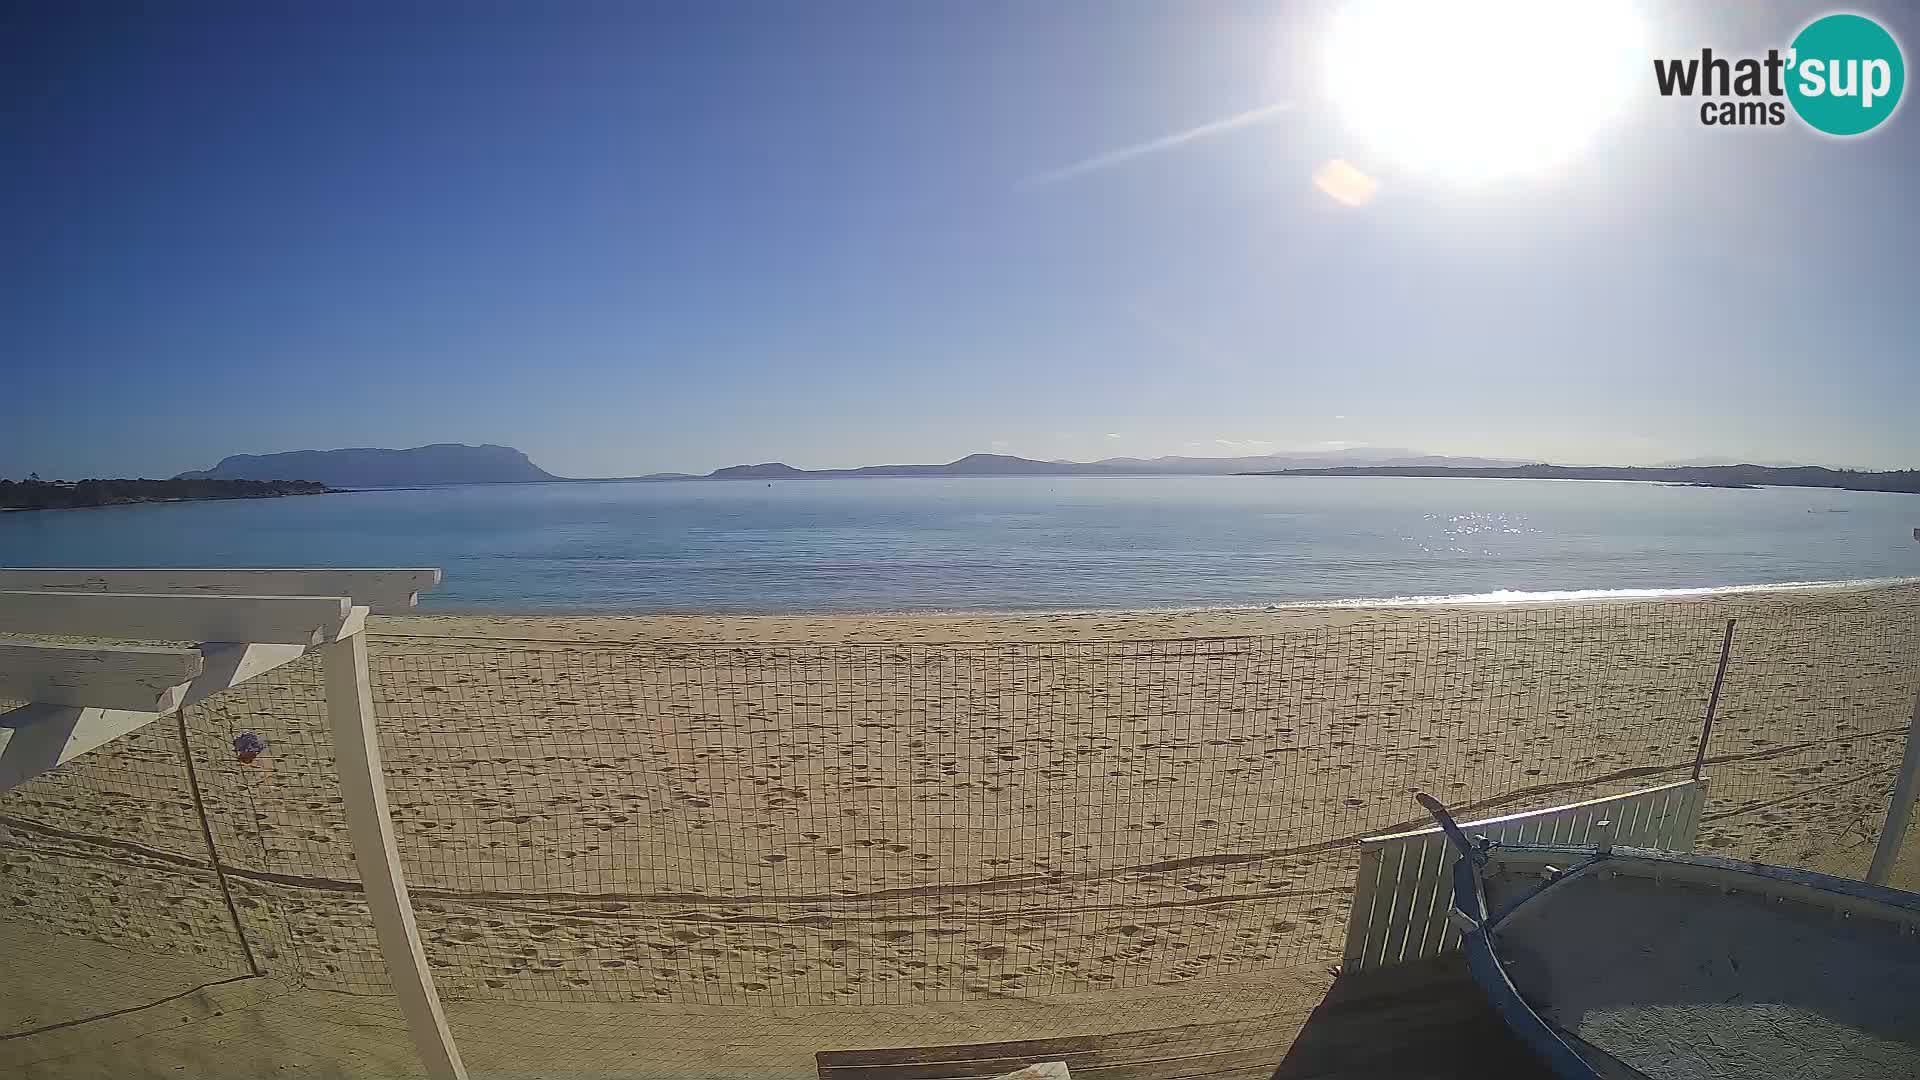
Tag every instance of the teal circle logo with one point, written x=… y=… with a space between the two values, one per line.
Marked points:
x=1846 y=74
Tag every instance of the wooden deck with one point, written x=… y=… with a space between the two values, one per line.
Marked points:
x=1425 y=1020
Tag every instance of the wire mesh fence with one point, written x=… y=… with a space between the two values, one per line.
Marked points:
x=897 y=823
x=1808 y=736
x=107 y=868
x=739 y=824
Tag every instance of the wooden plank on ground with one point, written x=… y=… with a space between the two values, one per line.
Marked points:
x=386 y=592
x=1421 y=1021
x=1241 y=1032
x=284 y=620
x=1155 y=1061
x=133 y=677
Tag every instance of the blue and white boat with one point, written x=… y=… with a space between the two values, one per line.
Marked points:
x=1623 y=962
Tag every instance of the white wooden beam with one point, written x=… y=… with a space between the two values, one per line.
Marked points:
x=38 y=737
x=278 y=620
x=1893 y=832
x=35 y=738
x=137 y=677
x=228 y=664
x=387 y=592
x=363 y=790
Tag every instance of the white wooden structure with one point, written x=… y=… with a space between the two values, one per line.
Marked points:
x=1401 y=892
x=244 y=623
x=1906 y=786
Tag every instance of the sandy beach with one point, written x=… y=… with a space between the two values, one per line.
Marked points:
x=683 y=812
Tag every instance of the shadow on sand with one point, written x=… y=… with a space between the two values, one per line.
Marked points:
x=1425 y=1020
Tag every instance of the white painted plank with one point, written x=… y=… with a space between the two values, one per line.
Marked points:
x=1430 y=901
x=38 y=737
x=1906 y=787
x=363 y=788
x=1407 y=890
x=228 y=664
x=142 y=678
x=1631 y=821
x=35 y=738
x=387 y=592
x=1686 y=831
x=1405 y=897
x=1389 y=904
x=1365 y=886
x=1470 y=827
x=281 y=620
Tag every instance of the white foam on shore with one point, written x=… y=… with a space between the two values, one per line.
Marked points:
x=1483 y=599
x=1496 y=597
x=1551 y=596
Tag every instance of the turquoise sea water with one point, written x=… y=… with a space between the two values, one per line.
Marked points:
x=1012 y=543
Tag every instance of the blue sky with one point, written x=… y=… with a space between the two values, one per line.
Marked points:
x=638 y=237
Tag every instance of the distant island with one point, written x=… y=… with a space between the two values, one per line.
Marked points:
x=1721 y=476
x=368 y=467
x=457 y=463
x=1008 y=465
x=444 y=464
x=68 y=495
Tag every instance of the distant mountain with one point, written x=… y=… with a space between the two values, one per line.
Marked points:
x=1713 y=462
x=455 y=463
x=362 y=467
x=1007 y=465
x=764 y=470
x=1728 y=476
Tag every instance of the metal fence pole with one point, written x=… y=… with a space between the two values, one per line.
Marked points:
x=1713 y=703
x=1900 y=810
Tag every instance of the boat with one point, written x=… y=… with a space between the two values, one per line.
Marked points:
x=1614 y=962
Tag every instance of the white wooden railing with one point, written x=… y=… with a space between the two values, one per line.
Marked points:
x=1405 y=885
x=245 y=623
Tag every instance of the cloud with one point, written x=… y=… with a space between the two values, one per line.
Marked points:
x=1153 y=146
x=1339 y=416
x=1247 y=446
x=1113 y=434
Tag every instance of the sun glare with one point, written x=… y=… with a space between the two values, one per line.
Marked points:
x=1477 y=92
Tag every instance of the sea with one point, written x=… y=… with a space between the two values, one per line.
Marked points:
x=1016 y=543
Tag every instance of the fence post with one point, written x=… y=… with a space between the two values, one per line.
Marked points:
x=363 y=789
x=213 y=853
x=1900 y=810
x=1713 y=703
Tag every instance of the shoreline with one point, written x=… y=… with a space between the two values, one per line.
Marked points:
x=1494 y=600
x=1796 y=601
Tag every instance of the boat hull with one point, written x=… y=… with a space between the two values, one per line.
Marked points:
x=1651 y=964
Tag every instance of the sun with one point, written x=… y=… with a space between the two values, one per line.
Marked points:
x=1477 y=92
